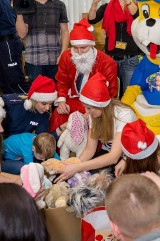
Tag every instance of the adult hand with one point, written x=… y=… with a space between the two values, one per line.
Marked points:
x=69 y=171
x=119 y=168
x=154 y=177
x=63 y=108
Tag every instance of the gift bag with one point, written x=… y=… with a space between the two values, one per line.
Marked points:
x=95 y=226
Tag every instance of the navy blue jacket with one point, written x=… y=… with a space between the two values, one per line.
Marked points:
x=7 y=18
x=18 y=120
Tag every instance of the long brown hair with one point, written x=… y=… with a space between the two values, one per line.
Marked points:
x=149 y=163
x=103 y=126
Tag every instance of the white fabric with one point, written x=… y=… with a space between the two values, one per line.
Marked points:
x=75 y=8
x=144 y=108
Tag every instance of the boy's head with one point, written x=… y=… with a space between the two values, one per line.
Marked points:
x=44 y=146
x=133 y=206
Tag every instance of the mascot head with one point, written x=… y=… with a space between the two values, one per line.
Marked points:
x=146 y=28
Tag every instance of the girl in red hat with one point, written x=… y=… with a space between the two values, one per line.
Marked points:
x=107 y=118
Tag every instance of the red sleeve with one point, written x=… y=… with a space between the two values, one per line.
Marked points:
x=108 y=67
x=63 y=77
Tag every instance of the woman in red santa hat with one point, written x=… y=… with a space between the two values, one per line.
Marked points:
x=29 y=113
x=107 y=117
x=76 y=66
x=141 y=149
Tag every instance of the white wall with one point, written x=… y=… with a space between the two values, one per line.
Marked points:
x=75 y=8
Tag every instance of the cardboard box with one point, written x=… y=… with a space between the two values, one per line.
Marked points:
x=62 y=225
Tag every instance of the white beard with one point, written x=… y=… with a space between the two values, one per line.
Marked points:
x=84 y=62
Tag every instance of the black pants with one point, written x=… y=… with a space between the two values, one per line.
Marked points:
x=11 y=75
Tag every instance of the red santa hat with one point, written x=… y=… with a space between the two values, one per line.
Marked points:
x=137 y=140
x=42 y=89
x=82 y=33
x=95 y=91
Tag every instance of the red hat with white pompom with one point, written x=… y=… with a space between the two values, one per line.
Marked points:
x=137 y=140
x=82 y=33
x=43 y=89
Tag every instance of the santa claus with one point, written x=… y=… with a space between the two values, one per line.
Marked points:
x=76 y=66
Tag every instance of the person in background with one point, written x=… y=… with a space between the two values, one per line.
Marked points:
x=20 y=218
x=45 y=35
x=29 y=113
x=76 y=66
x=117 y=17
x=141 y=150
x=107 y=118
x=133 y=206
x=11 y=75
x=20 y=149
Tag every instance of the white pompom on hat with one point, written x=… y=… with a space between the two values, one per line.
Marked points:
x=95 y=91
x=43 y=89
x=82 y=33
x=137 y=140
x=2 y=110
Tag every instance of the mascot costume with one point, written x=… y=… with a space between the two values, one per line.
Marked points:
x=142 y=94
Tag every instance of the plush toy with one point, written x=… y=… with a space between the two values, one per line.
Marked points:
x=53 y=166
x=32 y=176
x=142 y=94
x=57 y=195
x=74 y=138
x=89 y=194
x=78 y=178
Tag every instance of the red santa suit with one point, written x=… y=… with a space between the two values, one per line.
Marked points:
x=66 y=83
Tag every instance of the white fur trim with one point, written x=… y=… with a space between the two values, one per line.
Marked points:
x=2 y=113
x=44 y=97
x=27 y=104
x=92 y=102
x=1 y=102
x=59 y=100
x=82 y=41
x=144 y=153
x=90 y=29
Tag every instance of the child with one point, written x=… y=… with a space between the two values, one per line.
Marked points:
x=141 y=147
x=20 y=149
x=107 y=117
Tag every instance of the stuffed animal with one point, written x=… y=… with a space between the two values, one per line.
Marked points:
x=53 y=166
x=32 y=176
x=74 y=138
x=57 y=195
x=78 y=178
x=142 y=94
x=89 y=194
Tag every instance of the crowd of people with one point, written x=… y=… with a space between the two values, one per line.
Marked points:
x=62 y=80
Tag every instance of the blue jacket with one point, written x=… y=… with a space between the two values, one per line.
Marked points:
x=18 y=120
x=7 y=19
x=19 y=147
